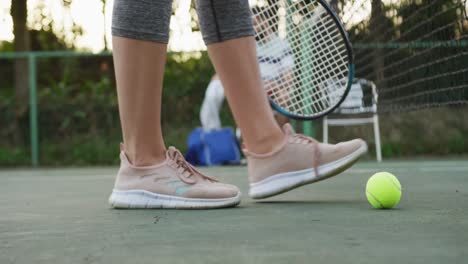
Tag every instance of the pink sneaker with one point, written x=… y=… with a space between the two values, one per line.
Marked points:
x=171 y=184
x=298 y=161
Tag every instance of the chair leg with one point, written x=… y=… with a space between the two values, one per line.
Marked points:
x=325 y=130
x=378 y=149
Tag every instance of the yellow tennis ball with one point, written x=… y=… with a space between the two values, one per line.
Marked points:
x=383 y=190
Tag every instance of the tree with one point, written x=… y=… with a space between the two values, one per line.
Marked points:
x=376 y=22
x=104 y=14
x=22 y=43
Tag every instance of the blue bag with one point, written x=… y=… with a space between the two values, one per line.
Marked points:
x=214 y=147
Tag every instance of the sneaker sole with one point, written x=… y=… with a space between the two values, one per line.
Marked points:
x=141 y=199
x=284 y=182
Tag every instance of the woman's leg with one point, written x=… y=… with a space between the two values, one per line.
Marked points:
x=236 y=63
x=140 y=32
x=151 y=176
x=227 y=30
x=278 y=160
x=139 y=68
x=281 y=119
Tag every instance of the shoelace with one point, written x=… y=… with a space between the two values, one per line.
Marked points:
x=302 y=138
x=182 y=164
x=308 y=140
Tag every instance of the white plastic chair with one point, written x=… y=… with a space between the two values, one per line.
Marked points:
x=354 y=104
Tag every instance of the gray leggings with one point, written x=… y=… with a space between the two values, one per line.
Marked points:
x=148 y=20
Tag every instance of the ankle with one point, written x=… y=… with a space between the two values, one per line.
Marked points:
x=266 y=143
x=140 y=159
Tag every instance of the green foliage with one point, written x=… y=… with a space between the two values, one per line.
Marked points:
x=6 y=46
x=14 y=156
x=391 y=150
x=457 y=145
x=79 y=122
x=80 y=150
x=78 y=113
x=436 y=132
x=42 y=40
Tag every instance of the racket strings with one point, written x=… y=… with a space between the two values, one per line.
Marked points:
x=321 y=64
x=322 y=71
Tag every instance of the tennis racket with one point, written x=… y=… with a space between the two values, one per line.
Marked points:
x=305 y=57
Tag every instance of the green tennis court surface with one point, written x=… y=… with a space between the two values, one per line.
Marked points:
x=62 y=216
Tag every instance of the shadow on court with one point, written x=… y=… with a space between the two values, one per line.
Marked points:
x=62 y=216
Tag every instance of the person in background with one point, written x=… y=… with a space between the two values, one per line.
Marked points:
x=212 y=103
